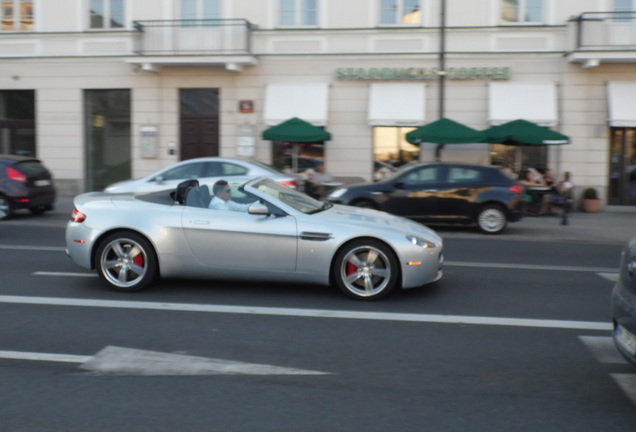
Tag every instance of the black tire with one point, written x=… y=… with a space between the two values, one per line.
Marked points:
x=38 y=210
x=492 y=219
x=366 y=269
x=126 y=261
x=365 y=204
x=6 y=208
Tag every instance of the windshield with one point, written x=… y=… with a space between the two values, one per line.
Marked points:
x=291 y=197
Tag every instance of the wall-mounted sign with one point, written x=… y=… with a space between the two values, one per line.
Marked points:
x=148 y=141
x=246 y=106
x=417 y=74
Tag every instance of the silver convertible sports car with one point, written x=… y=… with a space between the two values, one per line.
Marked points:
x=282 y=235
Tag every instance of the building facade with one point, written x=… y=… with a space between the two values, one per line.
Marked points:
x=104 y=90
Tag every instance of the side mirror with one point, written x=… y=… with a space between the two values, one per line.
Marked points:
x=399 y=185
x=159 y=179
x=258 y=208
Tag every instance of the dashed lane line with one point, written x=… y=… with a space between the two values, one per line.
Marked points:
x=312 y=313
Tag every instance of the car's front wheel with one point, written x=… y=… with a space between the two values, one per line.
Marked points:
x=491 y=219
x=126 y=261
x=6 y=208
x=366 y=270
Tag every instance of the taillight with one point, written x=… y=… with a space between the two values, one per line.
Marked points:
x=518 y=189
x=16 y=175
x=78 y=216
x=290 y=183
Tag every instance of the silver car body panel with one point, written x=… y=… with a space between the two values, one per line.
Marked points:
x=297 y=247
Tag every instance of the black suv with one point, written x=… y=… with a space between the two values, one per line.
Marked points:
x=442 y=193
x=24 y=184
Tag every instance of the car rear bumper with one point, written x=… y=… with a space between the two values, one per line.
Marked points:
x=624 y=320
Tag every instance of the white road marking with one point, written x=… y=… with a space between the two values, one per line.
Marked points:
x=603 y=348
x=627 y=382
x=612 y=277
x=66 y=358
x=531 y=267
x=311 y=313
x=34 y=248
x=129 y=361
x=67 y=274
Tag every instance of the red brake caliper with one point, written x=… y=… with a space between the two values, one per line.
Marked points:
x=139 y=260
x=351 y=269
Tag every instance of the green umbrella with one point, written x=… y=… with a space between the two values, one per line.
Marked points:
x=296 y=130
x=445 y=131
x=523 y=132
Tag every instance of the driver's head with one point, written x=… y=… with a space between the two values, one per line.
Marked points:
x=222 y=189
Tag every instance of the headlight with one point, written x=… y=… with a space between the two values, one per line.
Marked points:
x=418 y=241
x=337 y=193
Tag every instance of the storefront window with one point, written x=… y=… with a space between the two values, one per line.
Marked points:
x=517 y=158
x=17 y=122
x=297 y=157
x=391 y=150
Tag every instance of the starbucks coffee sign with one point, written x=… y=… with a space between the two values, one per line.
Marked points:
x=419 y=74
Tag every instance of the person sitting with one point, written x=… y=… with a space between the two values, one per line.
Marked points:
x=322 y=177
x=222 y=199
x=311 y=187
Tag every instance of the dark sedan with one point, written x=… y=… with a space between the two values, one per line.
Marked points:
x=624 y=304
x=24 y=184
x=442 y=193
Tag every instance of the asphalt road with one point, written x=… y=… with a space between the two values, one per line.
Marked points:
x=514 y=337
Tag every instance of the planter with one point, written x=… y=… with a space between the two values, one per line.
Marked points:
x=592 y=205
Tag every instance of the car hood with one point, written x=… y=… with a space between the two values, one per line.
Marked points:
x=374 y=219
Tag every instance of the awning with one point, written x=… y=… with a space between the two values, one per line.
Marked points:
x=535 y=102
x=445 y=131
x=621 y=97
x=296 y=130
x=522 y=132
x=397 y=104
x=306 y=101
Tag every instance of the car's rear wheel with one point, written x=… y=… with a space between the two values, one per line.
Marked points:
x=491 y=219
x=126 y=261
x=6 y=208
x=366 y=270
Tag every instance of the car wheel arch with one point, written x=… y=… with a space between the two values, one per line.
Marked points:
x=349 y=242
x=98 y=241
x=364 y=203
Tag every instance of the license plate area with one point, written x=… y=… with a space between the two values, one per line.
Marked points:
x=42 y=182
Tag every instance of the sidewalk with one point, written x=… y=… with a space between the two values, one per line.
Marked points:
x=614 y=224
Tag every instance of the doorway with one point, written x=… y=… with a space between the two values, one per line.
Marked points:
x=622 y=172
x=17 y=122
x=108 y=139
x=199 y=121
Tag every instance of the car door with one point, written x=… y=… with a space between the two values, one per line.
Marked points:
x=414 y=193
x=459 y=193
x=237 y=242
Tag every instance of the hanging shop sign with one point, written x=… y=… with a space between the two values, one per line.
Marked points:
x=418 y=74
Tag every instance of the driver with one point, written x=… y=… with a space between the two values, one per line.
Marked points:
x=222 y=199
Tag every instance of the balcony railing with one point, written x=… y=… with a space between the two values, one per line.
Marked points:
x=193 y=37
x=607 y=31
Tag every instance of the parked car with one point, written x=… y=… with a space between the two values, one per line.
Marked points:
x=442 y=193
x=130 y=239
x=624 y=304
x=207 y=170
x=25 y=183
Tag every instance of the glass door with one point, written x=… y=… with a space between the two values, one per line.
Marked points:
x=622 y=173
